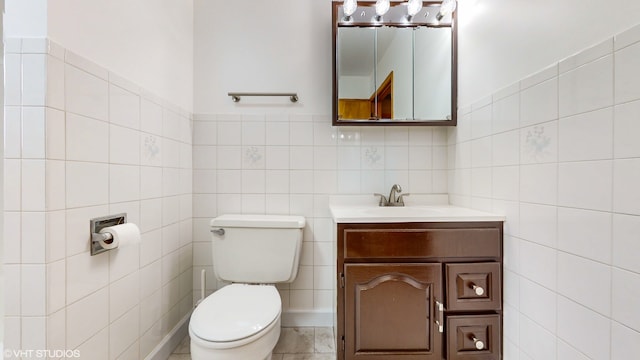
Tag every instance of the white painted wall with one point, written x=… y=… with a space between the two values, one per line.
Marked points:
x=502 y=41
x=256 y=46
x=25 y=18
x=2 y=9
x=149 y=42
x=286 y=46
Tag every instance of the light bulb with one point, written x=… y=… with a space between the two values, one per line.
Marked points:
x=447 y=7
x=349 y=7
x=382 y=6
x=414 y=7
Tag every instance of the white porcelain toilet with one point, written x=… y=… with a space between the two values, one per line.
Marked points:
x=242 y=320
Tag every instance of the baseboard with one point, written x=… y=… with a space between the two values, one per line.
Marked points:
x=171 y=340
x=307 y=319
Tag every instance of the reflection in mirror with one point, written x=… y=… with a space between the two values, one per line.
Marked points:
x=396 y=69
x=356 y=72
x=393 y=45
x=432 y=73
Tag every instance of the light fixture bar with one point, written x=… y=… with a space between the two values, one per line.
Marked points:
x=398 y=14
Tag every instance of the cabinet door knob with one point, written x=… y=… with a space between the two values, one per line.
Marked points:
x=479 y=290
x=478 y=343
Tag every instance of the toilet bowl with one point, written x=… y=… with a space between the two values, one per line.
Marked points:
x=237 y=322
x=242 y=320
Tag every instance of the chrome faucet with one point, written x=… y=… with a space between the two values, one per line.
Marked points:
x=395 y=189
x=393 y=199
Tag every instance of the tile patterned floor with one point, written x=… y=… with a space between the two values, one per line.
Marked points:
x=294 y=344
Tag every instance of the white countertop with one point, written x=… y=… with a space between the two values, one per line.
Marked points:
x=368 y=212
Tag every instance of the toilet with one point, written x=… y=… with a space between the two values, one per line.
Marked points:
x=242 y=320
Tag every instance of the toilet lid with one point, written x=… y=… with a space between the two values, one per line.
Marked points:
x=235 y=312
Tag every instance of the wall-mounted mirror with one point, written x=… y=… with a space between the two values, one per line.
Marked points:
x=394 y=69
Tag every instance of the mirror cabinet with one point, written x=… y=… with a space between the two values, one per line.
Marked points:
x=394 y=69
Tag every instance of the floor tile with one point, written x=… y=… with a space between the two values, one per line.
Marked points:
x=179 y=357
x=294 y=344
x=295 y=341
x=184 y=346
x=309 y=357
x=324 y=341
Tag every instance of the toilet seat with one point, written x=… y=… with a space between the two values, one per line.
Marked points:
x=235 y=312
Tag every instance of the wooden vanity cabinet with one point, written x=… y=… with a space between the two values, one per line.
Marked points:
x=419 y=291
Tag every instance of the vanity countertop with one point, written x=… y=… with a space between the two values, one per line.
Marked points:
x=345 y=212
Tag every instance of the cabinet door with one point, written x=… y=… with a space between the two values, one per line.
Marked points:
x=391 y=311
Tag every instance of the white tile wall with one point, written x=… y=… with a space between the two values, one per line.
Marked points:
x=627 y=86
x=587 y=88
x=86 y=143
x=565 y=166
x=579 y=327
x=291 y=164
x=623 y=341
x=587 y=136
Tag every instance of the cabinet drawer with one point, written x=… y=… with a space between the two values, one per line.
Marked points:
x=377 y=243
x=473 y=337
x=473 y=286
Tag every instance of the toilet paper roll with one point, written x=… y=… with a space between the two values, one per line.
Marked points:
x=122 y=234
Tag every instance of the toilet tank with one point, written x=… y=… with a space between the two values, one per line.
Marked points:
x=260 y=249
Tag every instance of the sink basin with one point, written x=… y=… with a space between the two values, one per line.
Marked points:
x=410 y=213
x=403 y=211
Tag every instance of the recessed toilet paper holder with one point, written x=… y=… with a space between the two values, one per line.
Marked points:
x=98 y=224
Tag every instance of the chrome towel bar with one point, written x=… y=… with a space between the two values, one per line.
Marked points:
x=235 y=96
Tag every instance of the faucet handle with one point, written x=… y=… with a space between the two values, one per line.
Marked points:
x=383 y=199
x=401 y=198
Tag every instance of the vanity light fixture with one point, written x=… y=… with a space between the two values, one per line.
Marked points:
x=404 y=13
x=349 y=7
x=382 y=6
x=447 y=7
x=413 y=7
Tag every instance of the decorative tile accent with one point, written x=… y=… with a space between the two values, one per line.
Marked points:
x=373 y=157
x=151 y=148
x=253 y=157
x=537 y=143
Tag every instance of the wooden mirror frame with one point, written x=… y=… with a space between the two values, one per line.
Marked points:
x=391 y=122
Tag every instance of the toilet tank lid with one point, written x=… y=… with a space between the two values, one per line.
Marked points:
x=259 y=221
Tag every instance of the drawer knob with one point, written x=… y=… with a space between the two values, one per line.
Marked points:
x=479 y=290
x=478 y=343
